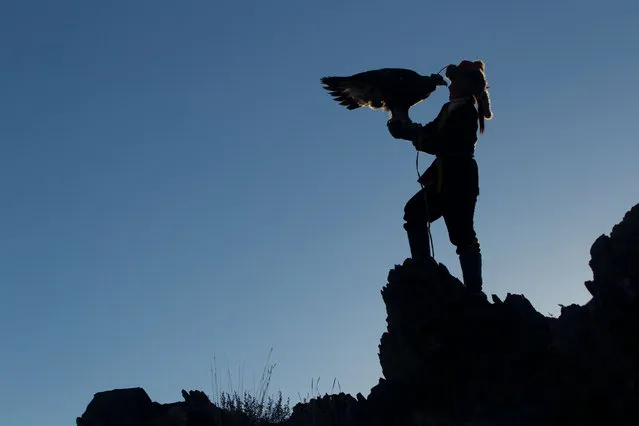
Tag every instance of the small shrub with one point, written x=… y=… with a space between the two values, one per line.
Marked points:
x=269 y=409
x=257 y=407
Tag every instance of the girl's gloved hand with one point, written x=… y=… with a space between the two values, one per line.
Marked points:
x=401 y=129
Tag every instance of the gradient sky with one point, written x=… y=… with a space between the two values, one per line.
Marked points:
x=176 y=185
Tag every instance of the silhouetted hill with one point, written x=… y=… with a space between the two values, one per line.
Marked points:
x=451 y=358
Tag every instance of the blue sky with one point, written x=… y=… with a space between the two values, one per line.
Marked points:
x=176 y=185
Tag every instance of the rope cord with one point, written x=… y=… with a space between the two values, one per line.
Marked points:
x=430 y=236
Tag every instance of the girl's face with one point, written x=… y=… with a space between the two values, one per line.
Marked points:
x=459 y=88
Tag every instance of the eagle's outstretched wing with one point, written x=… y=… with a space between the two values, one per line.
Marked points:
x=370 y=88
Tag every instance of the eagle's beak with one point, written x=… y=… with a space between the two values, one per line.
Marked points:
x=439 y=79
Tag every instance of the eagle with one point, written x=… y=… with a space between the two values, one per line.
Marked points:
x=392 y=89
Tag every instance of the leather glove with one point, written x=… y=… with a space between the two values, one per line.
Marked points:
x=400 y=129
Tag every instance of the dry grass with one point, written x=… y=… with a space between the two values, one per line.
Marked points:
x=257 y=406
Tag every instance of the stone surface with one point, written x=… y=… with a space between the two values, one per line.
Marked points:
x=329 y=410
x=463 y=360
x=121 y=407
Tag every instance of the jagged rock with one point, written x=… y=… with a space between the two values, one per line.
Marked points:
x=121 y=407
x=459 y=359
x=330 y=410
x=455 y=352
x=450 y=357
x=133 y=407
x=200 y=411
x=595 y=346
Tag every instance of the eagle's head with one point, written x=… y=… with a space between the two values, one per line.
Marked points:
x=439 y=80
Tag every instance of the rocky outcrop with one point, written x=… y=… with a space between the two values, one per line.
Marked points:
x=133 y=407
x=124 y=407
x=453 y=355
x=450 y=357
x=457 y=359
x=330 y=410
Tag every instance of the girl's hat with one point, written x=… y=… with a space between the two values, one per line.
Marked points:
x=473 y=73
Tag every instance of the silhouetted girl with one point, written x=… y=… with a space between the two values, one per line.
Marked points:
x=451 y=183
